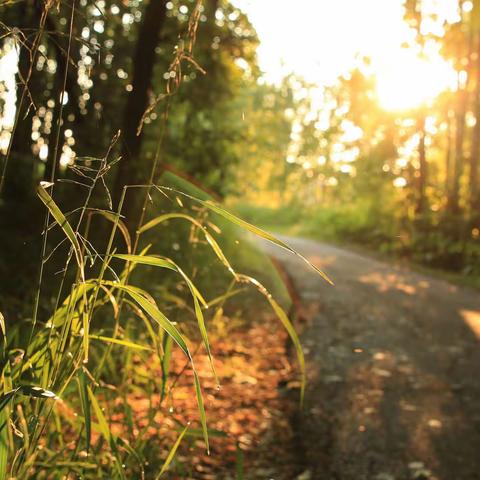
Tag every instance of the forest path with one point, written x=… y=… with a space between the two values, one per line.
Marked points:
x=393 y=364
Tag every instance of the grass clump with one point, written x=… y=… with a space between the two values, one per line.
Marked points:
x=63 y=389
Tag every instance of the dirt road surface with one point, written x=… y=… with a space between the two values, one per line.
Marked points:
x=393 y=364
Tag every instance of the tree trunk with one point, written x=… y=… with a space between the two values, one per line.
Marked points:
x=422 y=178
x=462 y=104
x=454 y=195
x=129 y=169
x=448 y=156
x=474 y=199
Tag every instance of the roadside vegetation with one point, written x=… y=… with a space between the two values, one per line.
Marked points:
x=111 y=299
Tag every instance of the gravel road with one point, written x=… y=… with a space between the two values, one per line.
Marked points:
x=393 y=363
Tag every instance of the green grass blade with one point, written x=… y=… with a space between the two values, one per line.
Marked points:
x=113 y=217
x=197 y=297
x=287 y=324
x=211 y=241
x=86 y=330
x=69 y=304
x=203 y=333
x=4 y=426
x=172 y=452
x=6 y=397
x=5 y=410
x=201 y=409
x=163 y=262
x=139 y=313
x=151 y=309
x=260 y=233
x=63 y=222
x=239 y=463
x=215 y=207
x=118 y=341
x=86 y=408
x=105 y=431
x=131 y=451
x=163 y=218
x=4 y=330
x=225 y=296
x=167 y=355
x=102 y=421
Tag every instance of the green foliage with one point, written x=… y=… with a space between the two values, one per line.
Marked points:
x=56 y=356
x=114 y=300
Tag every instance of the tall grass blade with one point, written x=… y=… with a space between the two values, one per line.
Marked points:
x=287 y=324
x=118 y=341
x=215 y=207
x=4 y=330
x=172 y=452
x=63 y=222
x=5 y=412
x=239 y=463
x=167 y=354
x=86 y=407
x=4 y=419
x=105 y=431
x=201 y=409
x=208 y=236
x=151 y=309
x=203 y=333
x=163 y=262
x=197 y=297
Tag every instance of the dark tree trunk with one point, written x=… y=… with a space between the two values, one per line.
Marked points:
x=423 y=168
x=453 y=203
x=457 y=170
x=448 y=156
x=129 y=169
x=474 y=199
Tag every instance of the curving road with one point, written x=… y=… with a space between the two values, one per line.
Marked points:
x=393 y=363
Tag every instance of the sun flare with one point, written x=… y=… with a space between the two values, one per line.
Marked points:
x=410 y=81
x=406 y=77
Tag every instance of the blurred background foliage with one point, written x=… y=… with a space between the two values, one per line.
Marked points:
x=334 y=162
x=394 y=170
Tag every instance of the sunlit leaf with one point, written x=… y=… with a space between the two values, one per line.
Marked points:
x=152 y=310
